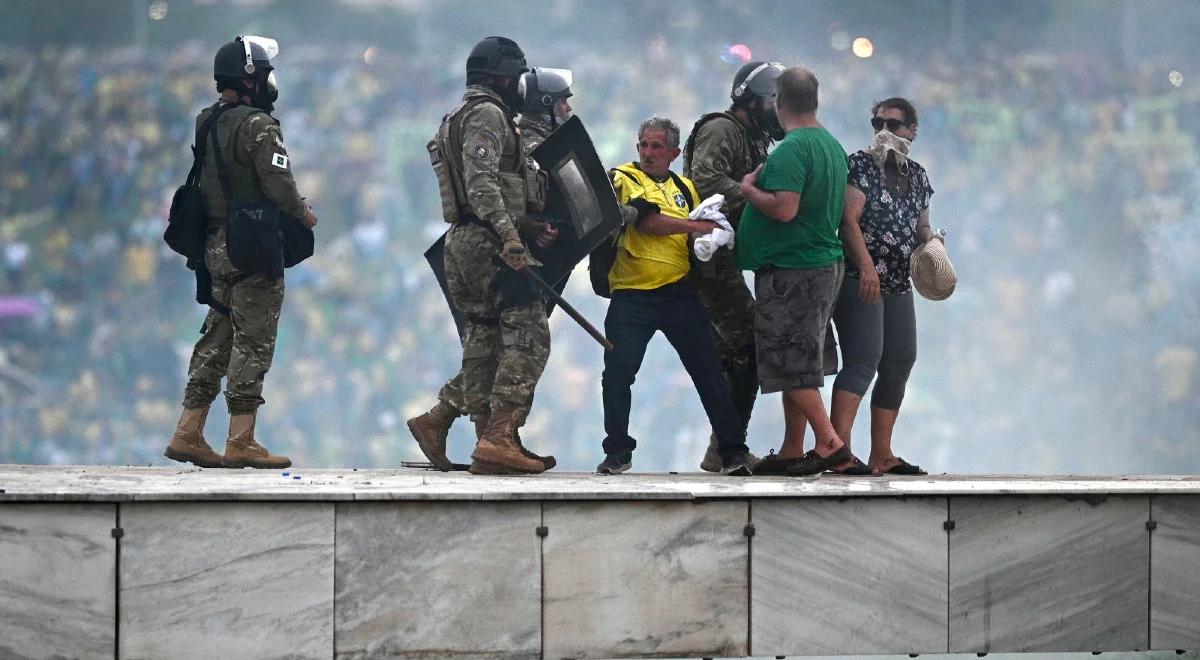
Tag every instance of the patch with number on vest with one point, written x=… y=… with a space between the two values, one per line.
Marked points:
x=280 y=161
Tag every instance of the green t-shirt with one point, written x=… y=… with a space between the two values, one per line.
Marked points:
x=809 y=161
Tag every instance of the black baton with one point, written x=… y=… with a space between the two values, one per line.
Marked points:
x=558 y=300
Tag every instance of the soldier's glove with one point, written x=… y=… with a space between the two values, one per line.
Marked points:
x=644 y=207
x=513 y=252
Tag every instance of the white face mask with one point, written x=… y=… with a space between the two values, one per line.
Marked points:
x=561 y=112
x=886 y=141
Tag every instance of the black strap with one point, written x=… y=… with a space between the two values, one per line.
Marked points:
x=687 y=192
x=222 y=170
x=193 y=177
x=627 y=174
x=689 y=147
x=221 y=308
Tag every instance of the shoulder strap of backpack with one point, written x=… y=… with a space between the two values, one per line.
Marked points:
x=689 y=147
x=193 y=176
x=222 y=170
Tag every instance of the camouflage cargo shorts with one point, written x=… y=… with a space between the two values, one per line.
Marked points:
x=791 y=315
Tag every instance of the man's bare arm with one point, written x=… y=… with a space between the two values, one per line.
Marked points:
x=778 y=205
x=657 y=224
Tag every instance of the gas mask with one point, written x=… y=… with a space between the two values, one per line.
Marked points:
x=512 y=94
x=764 y=116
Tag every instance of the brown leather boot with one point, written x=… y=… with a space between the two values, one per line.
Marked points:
x=242 y=450
x=188 y=444
x=497 y=452
x=430 y=431
x=548 y=462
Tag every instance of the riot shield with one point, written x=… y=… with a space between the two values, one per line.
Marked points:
x=580 y=203
x=436 y=256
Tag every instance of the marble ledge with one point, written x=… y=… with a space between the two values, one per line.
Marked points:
x=35 y=483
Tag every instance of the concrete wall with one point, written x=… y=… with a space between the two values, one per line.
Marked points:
x=555 y=579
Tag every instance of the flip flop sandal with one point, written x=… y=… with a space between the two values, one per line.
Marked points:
x=905 y=469
x=859 y=469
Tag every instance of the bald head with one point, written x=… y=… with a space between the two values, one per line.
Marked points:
x=796 y=91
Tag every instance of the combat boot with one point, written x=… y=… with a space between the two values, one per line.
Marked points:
x=497 y=452
x=188 y=444
x=547 y=461
x=430 y=431
x=242 y=450
x=712 y=460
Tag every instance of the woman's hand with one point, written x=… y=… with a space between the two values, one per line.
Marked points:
x=868 y=286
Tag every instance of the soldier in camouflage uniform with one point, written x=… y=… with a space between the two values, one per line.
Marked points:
x=238 y=337
x=544 y=108
x=486 y=188
x=724 y=147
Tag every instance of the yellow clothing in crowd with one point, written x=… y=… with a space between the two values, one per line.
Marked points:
x=645 y=261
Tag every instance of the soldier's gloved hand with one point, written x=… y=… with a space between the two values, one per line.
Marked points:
x=513 y=252
x=643 y=206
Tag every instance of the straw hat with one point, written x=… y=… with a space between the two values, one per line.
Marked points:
x=932 y=273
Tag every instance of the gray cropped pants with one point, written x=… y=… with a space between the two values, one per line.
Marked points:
x=877 y=339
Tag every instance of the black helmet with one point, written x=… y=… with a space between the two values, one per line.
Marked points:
x=241 y=58
x=497 y=56
x=755 y=80
x=544 y=87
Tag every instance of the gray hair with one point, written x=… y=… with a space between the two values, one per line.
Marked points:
x=661 y=124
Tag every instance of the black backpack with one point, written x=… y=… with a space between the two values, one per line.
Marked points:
x=601 y=260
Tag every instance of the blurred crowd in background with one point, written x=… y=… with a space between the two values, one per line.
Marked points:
x=1067 y=178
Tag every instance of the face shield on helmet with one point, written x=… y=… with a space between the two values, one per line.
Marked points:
x=259 y=52
x=546 y=90
x=756 y=93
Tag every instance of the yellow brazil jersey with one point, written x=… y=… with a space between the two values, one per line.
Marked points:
x=645 y=261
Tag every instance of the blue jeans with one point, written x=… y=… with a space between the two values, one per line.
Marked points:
x=675 y=309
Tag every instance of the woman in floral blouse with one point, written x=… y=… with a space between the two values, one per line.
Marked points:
x=886 y=217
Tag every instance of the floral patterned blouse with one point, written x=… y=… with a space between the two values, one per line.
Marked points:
x=889 y=222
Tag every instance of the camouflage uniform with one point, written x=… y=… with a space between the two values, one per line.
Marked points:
x=720 y=151
x=535 y=128
x=534 y=131
x=507 y=339
x=240 y=346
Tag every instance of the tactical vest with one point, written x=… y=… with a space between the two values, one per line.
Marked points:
x=522 y=183
x=753 y=152
x=243 y=179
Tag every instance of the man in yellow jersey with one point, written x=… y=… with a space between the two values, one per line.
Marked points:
x=650 y=292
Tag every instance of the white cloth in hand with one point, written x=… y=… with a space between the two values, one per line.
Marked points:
x=710 y=209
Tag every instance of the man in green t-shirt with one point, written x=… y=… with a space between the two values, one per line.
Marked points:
x=788 y=237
